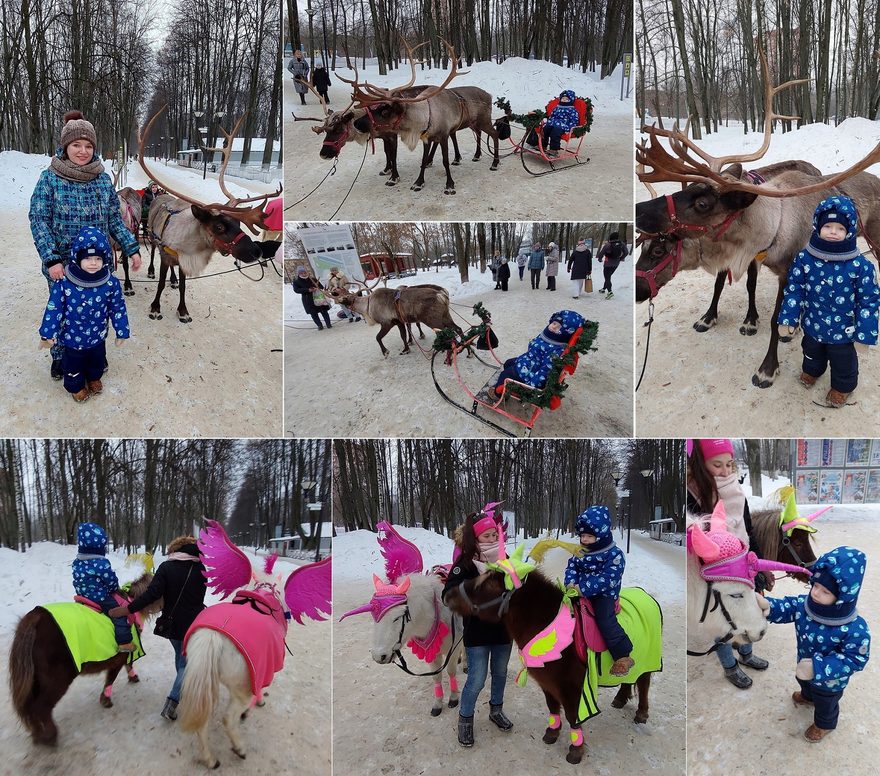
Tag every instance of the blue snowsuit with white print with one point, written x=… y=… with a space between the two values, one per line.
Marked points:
x=598 y=574
x=563 y=118
x=533 y=366
x=93 y=576
x=835 y=637
x=832 y=293
x=77 y=316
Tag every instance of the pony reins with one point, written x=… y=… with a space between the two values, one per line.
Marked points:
x=711 y=593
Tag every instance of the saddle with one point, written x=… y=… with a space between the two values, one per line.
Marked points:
x=586 y=631
x=133 y=619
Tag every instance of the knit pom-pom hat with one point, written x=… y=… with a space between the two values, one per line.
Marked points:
x=77 y=128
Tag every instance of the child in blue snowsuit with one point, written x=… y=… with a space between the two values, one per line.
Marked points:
x=94 y=578
x=833 y=642
x=832 y=292
x=597 y=574
x=563 y=119
x=80 y=306
x=533 y=366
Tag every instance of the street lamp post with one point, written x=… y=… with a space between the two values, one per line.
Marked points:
x=648 y=474
x=617 y=476
x=203 y=131
x=308 y=485
x=311 y=12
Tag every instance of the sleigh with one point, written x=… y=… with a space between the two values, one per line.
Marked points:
x=512 y=399
x=568 y=157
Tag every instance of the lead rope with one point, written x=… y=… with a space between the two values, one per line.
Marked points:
x=647 y=341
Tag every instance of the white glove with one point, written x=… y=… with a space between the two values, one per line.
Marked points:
x=763 y=603
x=861 y=348
x=804 y=669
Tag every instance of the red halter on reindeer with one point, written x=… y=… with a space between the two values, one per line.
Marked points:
x=241 y=643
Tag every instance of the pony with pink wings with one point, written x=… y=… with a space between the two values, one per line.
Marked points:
x=240 y=643
x=408 y=609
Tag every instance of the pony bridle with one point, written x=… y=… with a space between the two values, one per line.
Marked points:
x=502 y=601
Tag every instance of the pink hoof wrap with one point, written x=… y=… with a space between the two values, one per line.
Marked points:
x=108 y=690
x=577 y=737
x=554 y=722
x=453 y=684
x=438 y=690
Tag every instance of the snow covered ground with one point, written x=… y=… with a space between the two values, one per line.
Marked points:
x=338 y=384
x=291 y=728
x=381 y=716
x=598 y=191
x=688 y=386
x=219 y=375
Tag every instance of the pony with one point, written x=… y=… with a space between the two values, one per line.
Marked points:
x=42 y=666
x=719 y=565
x=409 y=610
x=241 y=644
x=785 y=536
x=537 y=614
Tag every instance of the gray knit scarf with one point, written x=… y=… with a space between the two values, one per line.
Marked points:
x=84 y=173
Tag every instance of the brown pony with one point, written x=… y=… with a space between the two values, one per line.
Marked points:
x=41 y=667
x=525 y=612
x=796 y=550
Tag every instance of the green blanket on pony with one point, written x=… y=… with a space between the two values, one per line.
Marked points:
x=89 y=634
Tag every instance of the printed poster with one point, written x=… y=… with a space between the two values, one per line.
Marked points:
x=833 y=452
x=858 y=451
x=830 y=486
x=854 y=483
x=809 y=452
x=875 y=453
x=807 y=487
x=872 y=496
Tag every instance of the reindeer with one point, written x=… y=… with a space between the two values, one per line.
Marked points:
x=130 y=210
x=397 y=307
x=431 y=115
x=188 y=232
x=744 y=221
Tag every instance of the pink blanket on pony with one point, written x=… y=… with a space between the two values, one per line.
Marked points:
x=255 y=623
x=586 y=631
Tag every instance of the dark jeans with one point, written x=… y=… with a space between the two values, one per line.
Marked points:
x=552 y=137
x=323 y=93
x=827 y=704
x=478 y=669
x=522 y=271
x=615 y=637
x=325 y=315
x=725 y=653
x=536 y=278
x=180 y=666
x=302 y=98
x=551 y=282
x=607 y=272
x=843 y=359
x=121 y=627
x=81 y=366
x=503 y=284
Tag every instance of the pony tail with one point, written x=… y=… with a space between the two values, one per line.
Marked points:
x=201 y=682
x=21 y=670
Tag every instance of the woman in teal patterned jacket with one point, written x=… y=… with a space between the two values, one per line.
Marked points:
x=74 y=192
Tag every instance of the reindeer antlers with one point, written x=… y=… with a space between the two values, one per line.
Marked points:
x=685 y=168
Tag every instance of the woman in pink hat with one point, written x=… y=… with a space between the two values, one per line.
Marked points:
x=711 y=475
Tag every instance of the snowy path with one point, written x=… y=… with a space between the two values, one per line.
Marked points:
x=218 y=376
x=598 y=191
x=760 y=729
x=338 y=384
x=381 y=716
x=290 y=734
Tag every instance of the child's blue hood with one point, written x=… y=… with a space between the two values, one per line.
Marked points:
x=846 y=567
x=594 y=520
x=91 y=539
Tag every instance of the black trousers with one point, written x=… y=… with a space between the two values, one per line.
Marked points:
x=615 y=637
x=325 y=315
x=827 y=705
x=81 y=366
x=843 y=359
x=551 y=282
x=607 y=272
x=536 y=278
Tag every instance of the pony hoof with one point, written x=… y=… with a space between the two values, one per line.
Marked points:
x=453 y=702
x=760 y=381
x=449 y=191
x=155 y=316
x=242 y=755
x=174 y=284
x=551 y=736
x=106 y=702
x=640 y=718
x=787 y=338
x=151 y=274
x=435 y=712
x=575 y=754
x=134 y=678
x=618 y=704
x=748 y=330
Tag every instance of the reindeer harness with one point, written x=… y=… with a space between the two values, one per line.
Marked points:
x=224 y=247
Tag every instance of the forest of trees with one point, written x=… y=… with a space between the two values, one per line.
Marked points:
x=471 y=244
x=435 y=483
x=700 y=58
x=99 y=57
x=145 y=492
x=585 y=34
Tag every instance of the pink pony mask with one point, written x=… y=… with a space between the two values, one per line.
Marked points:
x=724 y=557
x=386 y=597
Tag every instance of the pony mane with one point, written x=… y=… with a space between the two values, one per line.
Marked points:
x=765 y=526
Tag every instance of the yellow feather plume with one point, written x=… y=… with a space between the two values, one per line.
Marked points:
x=538 y=552
x=143 y=558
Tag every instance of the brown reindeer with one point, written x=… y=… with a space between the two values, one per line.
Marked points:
x=431 y=115
x=727 y=220
x=188 y=232
x=396 y=307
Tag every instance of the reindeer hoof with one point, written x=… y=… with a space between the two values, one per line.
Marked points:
x=435 y=712
x=748 y=329
x=551 y=736
x=152 y=276
x=174 y=284
x=155 y=315
x=455 y=162
x=106 y=702
x=493 y=167
x=575 y=754
x=705 y=324
x=641 y=717
x=128 y=292
x=391 y=182
x=453 y=702
x=416 y=187
x=243 y=755
x=448 y=191
x=760 y=380
x=184 y=318
x=384 y=173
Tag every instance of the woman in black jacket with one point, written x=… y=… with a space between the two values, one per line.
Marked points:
x=478 y=541
x=306 y=285
x=180 y=583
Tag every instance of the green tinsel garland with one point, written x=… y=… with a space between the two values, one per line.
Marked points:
x=447 y=338
x=533 y=118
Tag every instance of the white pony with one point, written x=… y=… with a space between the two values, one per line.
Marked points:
x=409 y=610
x=721 y=600
x=241 y=644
